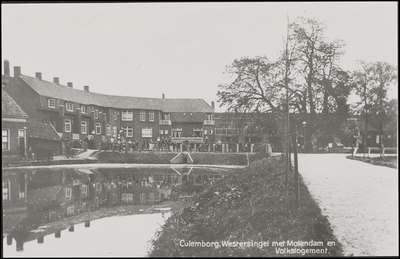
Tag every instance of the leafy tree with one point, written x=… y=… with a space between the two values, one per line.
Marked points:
x=373 y=80
x=320 y=83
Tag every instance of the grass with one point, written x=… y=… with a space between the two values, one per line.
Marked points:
x=249 y=205
x=389 y=161
x=165 y=158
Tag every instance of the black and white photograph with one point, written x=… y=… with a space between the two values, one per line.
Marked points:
x=199 y=129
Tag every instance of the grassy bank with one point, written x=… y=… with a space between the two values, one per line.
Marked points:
x=389 y=161
x=165 y=158
x=250 y=205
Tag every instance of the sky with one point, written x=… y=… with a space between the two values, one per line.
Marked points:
x=178 y=49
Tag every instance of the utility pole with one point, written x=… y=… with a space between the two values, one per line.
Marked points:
x=296 y=169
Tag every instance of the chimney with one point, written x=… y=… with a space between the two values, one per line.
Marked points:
x=212 y=105
x=56 y=80
x=38 y=75
x=17 y=71
x=70 y=84
x=163 y=96
x=86 y=87
x=6 y=67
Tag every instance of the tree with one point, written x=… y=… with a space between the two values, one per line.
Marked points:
x=255 y=87
x=317 y=69
x=373 y=80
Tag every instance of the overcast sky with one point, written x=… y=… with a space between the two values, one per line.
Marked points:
x=179 y=49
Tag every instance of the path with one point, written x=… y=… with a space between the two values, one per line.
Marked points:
x=360 y=200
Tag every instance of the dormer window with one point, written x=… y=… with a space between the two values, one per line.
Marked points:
x=69 y=107
x=83 y=109
x=52 y=103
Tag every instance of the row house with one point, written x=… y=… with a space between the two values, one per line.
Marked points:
x=22 y=137
x=81 y=115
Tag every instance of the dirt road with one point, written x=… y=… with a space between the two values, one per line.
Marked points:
x=360 y=200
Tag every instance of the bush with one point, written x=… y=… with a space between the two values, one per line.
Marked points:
x=249 y=205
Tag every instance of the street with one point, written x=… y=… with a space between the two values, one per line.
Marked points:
x=360 y=200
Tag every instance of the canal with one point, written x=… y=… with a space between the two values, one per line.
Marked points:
x=97 y=212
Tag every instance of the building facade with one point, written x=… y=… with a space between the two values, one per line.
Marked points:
x=83 y=116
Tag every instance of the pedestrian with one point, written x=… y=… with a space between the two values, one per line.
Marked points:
x=151 y=146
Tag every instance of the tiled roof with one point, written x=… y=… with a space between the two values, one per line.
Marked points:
x=62 y=92
x=185 y=105
x=5 y=79
x=42 y=197
x=128 y=102
x=41 y=130
x=9 y=108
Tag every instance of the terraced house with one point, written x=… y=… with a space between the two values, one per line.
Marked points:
x=81 y=115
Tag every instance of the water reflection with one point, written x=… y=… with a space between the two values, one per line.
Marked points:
x=34 y=198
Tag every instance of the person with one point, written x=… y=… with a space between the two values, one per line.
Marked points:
x=151 y=146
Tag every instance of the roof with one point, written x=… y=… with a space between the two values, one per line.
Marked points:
x=62 y=92
x=41 y=130
x=5 y=79
x=44 y=196
x=185 y=105
x=9 y=108
x=128 y=102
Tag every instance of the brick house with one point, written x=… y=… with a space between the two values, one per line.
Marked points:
x=13 y=124
x=81 y=115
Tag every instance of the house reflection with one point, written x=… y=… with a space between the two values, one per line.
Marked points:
x=32 y=199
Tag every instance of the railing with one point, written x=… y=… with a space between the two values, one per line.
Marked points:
x=190 y=139
x=227 y=131
x=209 y=122
x=165 y=122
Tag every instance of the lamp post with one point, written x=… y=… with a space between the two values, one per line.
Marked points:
x=304 y=134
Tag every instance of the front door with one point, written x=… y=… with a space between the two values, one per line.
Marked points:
x=21 y=142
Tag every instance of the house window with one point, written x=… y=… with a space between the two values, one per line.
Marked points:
x=83 y=109
x=52 y=216
x=127 y=115
x=6 y=190
x=209 y=117
x=52 y=103
x=147 y=133
x=142 y=198
x=84 y=189
x=166 y=117
x=67 y=125
x=151 y=116
x=369 y=136
x=128 y=131
x=127 y=198
x=205 y=132
x=96 y=113
x=108 y=130
x=211 y=132
x=83 y=127
x=151 y=197
x=165 y=132
x=98 y=128
x=142 y=116
x=70 y=211
x=114 y=131
x=21 y=194
x=5 y=139
x=161 y=132
x=377 y=139
x=69 y=107
x=68 y=193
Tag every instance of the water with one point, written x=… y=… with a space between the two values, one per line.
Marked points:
x=39 y=206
